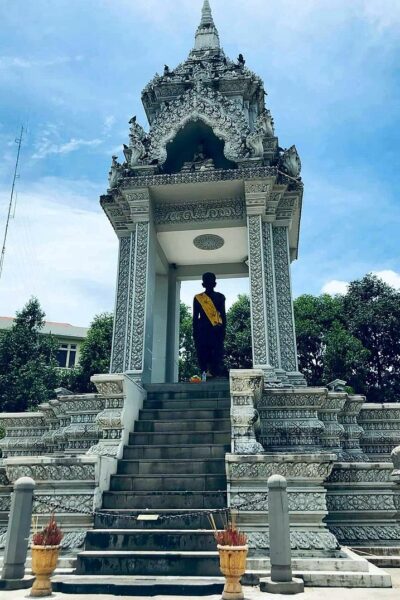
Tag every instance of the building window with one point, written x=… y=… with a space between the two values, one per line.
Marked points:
x=66 y=356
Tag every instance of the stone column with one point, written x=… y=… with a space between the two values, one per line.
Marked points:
x=284 y=304
x=132 y=289
x=261 y=274
x=272 y=320
x=172 y=361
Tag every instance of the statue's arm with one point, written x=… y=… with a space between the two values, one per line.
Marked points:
x=223 y=314
x=196 y=312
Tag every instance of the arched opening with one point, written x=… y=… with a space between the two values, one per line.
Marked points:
x=196 y=142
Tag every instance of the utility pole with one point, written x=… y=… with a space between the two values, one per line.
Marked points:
x=3 y=250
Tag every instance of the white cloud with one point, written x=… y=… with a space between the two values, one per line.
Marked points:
x=109 y=122
x=390 y=277
x=45 y=147
x=340 y=287
x=335 y=287
x=20 y=62
x=62 y=249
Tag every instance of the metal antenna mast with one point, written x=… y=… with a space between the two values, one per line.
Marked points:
x=3 y=250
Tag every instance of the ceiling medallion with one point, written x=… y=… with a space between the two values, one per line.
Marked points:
x=208 y=241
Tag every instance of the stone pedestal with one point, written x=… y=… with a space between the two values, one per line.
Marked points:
x=361 y=504
x=289 y=419
x=381 y=430
x=305 y=474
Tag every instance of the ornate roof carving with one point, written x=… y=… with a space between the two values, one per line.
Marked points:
x=220 y=113
x=209 y=87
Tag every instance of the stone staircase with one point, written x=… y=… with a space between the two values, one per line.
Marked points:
x=174 y=465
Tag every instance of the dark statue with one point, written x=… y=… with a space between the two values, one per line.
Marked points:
x=209 y=326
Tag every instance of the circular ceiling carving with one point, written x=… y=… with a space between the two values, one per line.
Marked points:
x=208 y=241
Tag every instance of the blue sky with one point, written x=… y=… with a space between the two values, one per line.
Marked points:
x=73 y=70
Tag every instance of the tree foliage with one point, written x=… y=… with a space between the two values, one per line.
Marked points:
x=28 y=367
x=95 y=353
x=372 y=313
x=187 y=351
x=355 y=337
x=238 y=353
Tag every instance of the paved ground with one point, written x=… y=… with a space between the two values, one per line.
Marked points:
x=252 y=594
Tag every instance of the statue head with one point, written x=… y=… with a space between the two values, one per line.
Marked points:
x=209 y=281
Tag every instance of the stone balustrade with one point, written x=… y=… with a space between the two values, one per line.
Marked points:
x=70 y=448
x=24 y=434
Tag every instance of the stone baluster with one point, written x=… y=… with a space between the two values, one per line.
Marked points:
x=82 y=431
x=352 y=431
x=333 y=431
x=246 y=387
x=122 y=400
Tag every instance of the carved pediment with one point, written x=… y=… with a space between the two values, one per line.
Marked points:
x=222 y=115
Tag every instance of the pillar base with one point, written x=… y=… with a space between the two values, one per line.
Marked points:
x=17 y=584
x=296 y=586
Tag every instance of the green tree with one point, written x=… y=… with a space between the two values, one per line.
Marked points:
x=238 y=351
x=314 y=318
x=187 y=351
x=94 y=356
x=344 y=358
x=28 y=368
x=372 y=313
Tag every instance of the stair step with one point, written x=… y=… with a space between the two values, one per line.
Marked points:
x=172 y=467
x=182 y=425
x=169 y=483
x=167 y=518
x=176 y=438
x=148 y=563
x=214 y=389
x=156 y=500
x=172 y=451
x=165 y=414
x=186 y=404
x=129 y=585
x=157 y=539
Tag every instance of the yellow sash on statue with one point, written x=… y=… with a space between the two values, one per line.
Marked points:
x=209 y=308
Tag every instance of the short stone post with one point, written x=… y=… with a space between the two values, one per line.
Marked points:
x=19 y=525
x=281 y=580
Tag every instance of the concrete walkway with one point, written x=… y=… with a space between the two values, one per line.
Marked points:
x=252 y=594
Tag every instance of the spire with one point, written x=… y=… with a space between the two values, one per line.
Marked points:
x=206 y=35
x=206 y=15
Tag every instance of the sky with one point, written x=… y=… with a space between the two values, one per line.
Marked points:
x=71 y=71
